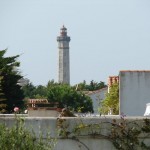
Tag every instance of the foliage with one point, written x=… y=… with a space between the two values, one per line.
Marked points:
x=90 y=87
x=31 y=91
x=68 y=97
x=124 y=134
x=111 y=101
x=28 y=90
x=10 y=76
x=18 y=137
x=2 y=98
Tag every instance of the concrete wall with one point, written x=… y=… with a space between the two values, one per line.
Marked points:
x=46 y=124
x=134 y=92
x=43 y=113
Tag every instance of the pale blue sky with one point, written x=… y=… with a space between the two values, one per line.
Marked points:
x=106 y=36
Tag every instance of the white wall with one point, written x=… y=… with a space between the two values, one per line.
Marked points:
x=97 y=97
x=46 y=124
x=134 y=92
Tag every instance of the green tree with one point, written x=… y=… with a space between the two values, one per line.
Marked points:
x=2 y=98
x=10 y=76
x=18 y=137
x=83 y=86
x=40 y=92
x=68 y=97
x=111 y=102
x=31 y=91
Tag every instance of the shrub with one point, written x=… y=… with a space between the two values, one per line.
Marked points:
x=18 y=137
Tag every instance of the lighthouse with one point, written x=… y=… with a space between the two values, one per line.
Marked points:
x=64 y=59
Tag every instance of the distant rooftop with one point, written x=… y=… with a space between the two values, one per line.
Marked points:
x=134 y=70
x=94 y=92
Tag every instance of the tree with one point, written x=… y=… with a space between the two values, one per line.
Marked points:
x=111 y=102
x=2 y=98
x=31 y=91
x=90 y=87
x=68 y=97
x=10 y=76
x=64 y=94
x=40 y=92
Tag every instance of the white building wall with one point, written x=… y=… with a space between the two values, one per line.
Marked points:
x=97 y=97
x=134 y=92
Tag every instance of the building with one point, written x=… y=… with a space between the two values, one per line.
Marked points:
x=134 y=91
x=97 y=97
x=112 y=80
x=63 y=62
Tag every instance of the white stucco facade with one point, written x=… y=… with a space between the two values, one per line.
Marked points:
x=134 y=92
x=97 y=97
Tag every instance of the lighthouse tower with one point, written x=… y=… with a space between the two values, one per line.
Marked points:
x=63 y=62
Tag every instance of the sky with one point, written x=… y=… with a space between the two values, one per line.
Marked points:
x=106 y=36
